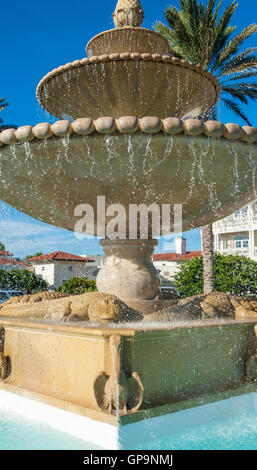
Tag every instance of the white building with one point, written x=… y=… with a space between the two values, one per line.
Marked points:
x=168 y=264
x=58 y=267
x=94 y=267
x=237 y=234
x=7 y=263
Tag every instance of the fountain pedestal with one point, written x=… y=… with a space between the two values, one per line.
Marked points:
x=128 y=271
x=129 y=274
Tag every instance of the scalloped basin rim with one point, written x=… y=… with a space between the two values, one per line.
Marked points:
x=129 y=125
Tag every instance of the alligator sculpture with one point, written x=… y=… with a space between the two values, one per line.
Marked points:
x=93 y=306
x=106 y=308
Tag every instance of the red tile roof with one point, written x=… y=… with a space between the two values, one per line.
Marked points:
x=5 y=253
x=60 y=256
x=13 y=262
x=176 y=256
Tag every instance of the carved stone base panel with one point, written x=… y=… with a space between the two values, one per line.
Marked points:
x=128 y=373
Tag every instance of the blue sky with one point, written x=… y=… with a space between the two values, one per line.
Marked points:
x=39 y=36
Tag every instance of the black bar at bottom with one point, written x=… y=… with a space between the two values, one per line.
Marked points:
x=121 y=459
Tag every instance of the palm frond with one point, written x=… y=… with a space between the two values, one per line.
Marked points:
x=223 y=24
x=233 y=46
x=209 y=9
x=241 y=63
x=247 y=89
x=3 y=104
x=243 y=75
x=165 y=31
x=191 y=14
x=199 y=34
x=236 y=93
x=222 y=42
x=177 y=24
x=214 y=14
x=232 y=106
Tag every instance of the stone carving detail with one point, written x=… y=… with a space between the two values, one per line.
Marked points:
x=128 y=13
x=214 y=305
x=39 y=297
x=130 y=125
x=100 y=308
x=244 y=308
x=93 y=306
x=5 y=362
x=105 y=308
x=117 y=393
x=251 y=368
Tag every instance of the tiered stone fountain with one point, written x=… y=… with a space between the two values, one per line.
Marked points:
x=118 y=138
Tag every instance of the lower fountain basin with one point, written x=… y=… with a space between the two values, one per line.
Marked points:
x=48 y=178
x=227 y=424
x=178 y=367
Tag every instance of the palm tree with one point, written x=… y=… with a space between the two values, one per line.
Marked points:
x=3 y=104
x=196 y=34
x=207 y=248
x=39 y=253
x=2 y=247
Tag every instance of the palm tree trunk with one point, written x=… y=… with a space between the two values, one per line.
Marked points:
x=207 y=247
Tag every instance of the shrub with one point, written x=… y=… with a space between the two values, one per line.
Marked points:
x=232 y=274
x=23 y=280
x=78 y=285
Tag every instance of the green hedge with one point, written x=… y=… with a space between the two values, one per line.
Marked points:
x=78 y=285
x=23 y=280
x=232 y=274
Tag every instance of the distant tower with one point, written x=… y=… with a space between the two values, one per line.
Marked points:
x=181 y=246
x=128 y=13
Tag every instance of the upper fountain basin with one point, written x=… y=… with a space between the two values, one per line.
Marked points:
x=128 y=39
x=128 y=84
x=48 y=170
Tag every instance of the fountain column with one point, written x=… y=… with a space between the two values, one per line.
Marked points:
x=128 y=271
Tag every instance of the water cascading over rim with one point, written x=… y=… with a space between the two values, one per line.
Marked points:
x=132 y=68
x=126 y=145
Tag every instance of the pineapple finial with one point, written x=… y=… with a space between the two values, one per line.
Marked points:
x=128 y=13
